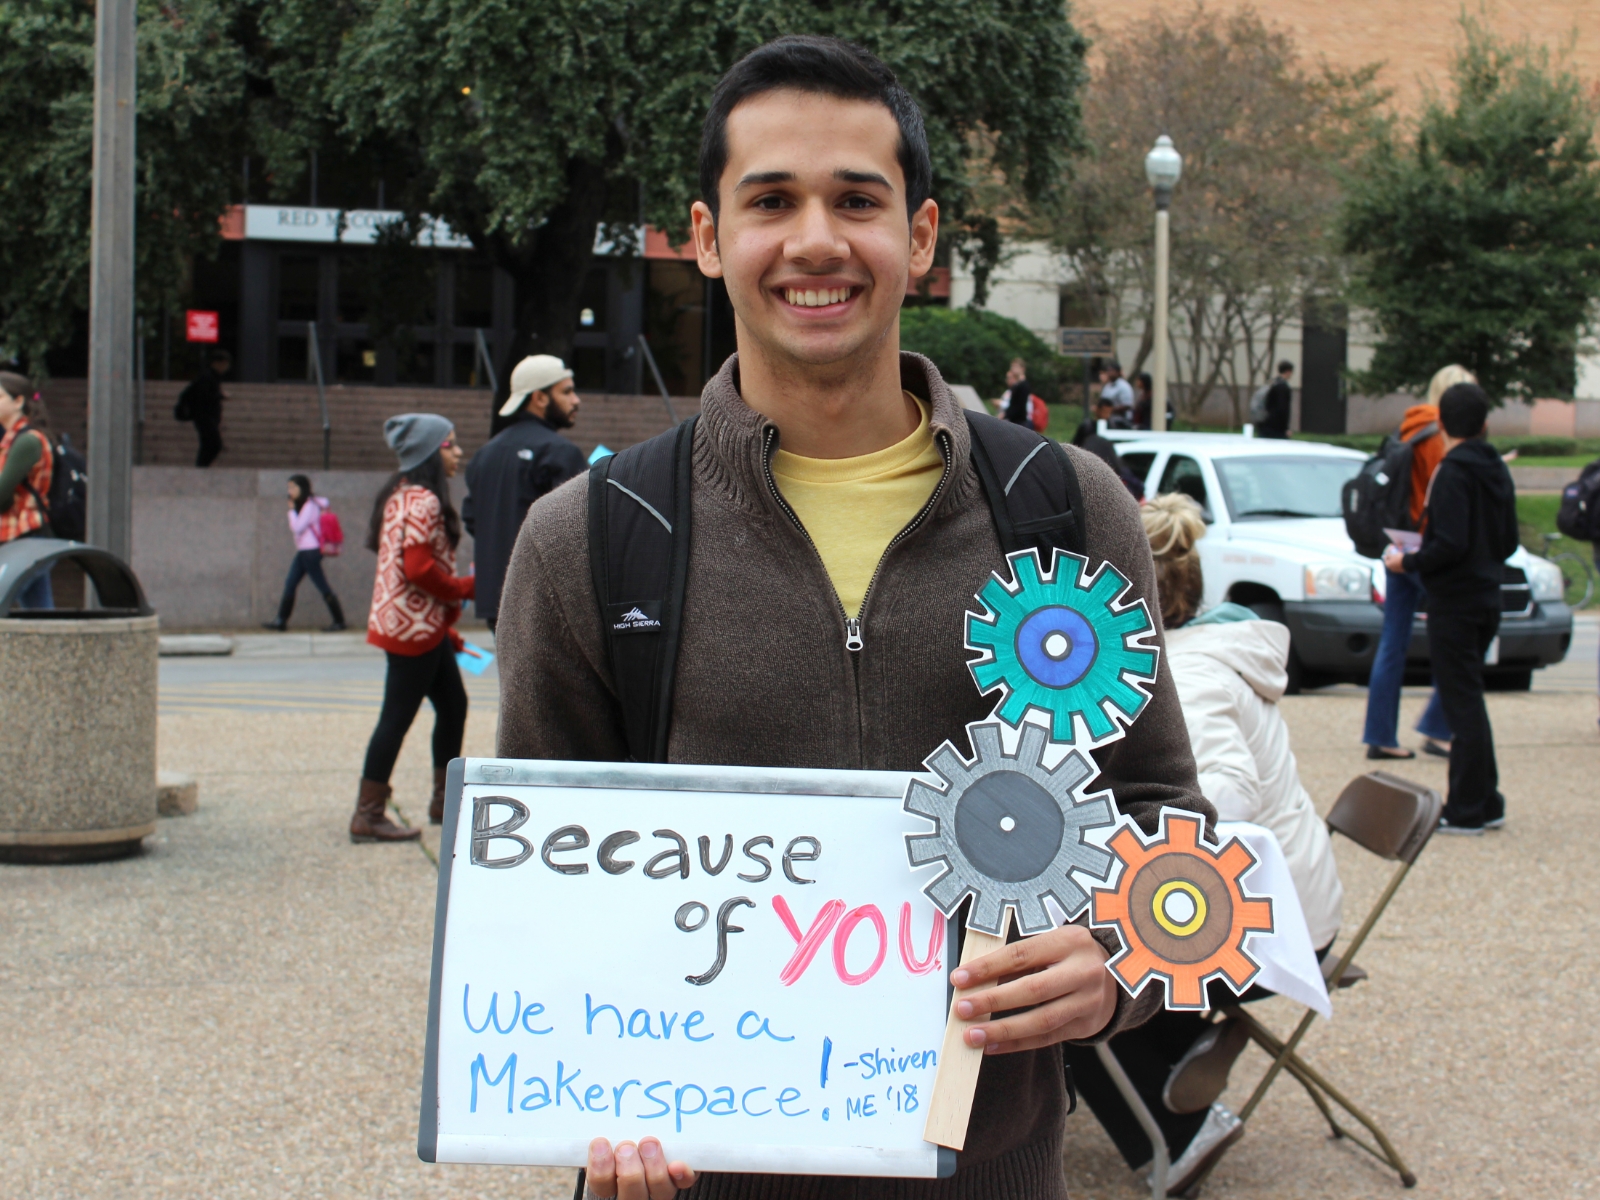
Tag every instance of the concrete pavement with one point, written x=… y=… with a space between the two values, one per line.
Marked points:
x=239 y=1011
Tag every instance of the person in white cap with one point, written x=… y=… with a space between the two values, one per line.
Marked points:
x=522 y=462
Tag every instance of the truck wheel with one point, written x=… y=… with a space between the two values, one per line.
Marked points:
x=1269 y=611
x=1508 y=681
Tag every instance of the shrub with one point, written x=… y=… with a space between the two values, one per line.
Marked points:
x=975 y=347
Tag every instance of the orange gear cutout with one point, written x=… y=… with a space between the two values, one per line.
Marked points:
x=1180 y=910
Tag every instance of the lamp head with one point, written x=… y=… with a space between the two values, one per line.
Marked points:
x=1163 y=166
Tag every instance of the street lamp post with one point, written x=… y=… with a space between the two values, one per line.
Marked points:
x=110 y=499
x=1162 y=167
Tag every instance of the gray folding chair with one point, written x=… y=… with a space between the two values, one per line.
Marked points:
x=1393 y=818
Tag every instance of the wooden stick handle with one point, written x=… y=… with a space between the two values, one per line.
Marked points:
x=950 y=1104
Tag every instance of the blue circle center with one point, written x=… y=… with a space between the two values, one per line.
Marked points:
x=1056 y=646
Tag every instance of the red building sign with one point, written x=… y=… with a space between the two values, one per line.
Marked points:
x=201 y=325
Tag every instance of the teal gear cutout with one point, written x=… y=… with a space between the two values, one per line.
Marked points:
x=1063 y=643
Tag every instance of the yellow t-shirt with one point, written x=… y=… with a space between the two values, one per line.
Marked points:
x=854 y=507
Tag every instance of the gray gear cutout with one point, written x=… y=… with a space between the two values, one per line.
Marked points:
x=1007 y=830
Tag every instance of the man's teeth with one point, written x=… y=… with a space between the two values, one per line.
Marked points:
x=814 y=297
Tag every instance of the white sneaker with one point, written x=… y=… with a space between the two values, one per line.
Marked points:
x=1220 y=1131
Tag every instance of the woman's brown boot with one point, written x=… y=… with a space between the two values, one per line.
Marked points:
x=371 y=823
x=436 y=805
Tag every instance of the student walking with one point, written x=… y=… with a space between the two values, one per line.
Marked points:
x=305 y=526
x=1018 y=390
x=1280 y=404
x=1403 y=595
x=1120 y=393
x=1471 y=529
x=26 y=465
x=416 y=601
x=522 y=462
x=840 y=528
x=201 y=403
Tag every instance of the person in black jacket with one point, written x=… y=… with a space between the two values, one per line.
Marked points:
x=1018 y=389
x=202 y=401
x=522 y=462
x=1280 y=404
x=1470 y=528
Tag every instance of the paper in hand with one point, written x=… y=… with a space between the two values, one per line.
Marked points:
x=1408 y=541
x=474 y=659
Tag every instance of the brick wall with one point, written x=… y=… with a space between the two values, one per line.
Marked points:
x=1413 y=41
x=279 y=425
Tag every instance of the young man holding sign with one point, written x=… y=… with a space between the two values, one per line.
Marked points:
x=840 y=531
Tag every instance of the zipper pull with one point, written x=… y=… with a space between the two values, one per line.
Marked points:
x=852 y=635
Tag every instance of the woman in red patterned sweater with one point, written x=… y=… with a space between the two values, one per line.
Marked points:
x=416 y=599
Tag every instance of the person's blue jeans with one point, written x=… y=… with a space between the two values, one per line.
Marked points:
x=1402 y=599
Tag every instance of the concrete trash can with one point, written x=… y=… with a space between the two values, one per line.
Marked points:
x=77 y=711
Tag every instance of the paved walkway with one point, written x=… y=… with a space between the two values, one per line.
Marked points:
x=239 y=1011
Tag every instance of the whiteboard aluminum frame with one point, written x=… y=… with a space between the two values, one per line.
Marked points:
x=774 y=781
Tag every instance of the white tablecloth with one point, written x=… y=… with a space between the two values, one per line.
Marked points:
x=1288 y=962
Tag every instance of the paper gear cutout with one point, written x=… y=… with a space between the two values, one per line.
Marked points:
x=1180 y=910
x=1007 y=831
x=1062 y=644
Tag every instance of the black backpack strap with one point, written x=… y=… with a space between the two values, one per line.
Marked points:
x=639 y=510
x=1031 y=485
x=1423 y=434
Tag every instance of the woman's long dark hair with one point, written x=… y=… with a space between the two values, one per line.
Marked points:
x=304 y=484
x=428 y=474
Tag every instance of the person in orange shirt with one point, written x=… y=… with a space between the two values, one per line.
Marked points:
x=1403 y=596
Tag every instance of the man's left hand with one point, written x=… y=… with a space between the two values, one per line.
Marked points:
x=1059 y=977
x=1393 y=556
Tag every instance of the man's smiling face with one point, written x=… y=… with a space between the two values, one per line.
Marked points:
x=813 y=238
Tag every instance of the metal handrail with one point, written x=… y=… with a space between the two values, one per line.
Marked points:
x=314 y=371
x=487 y=360
x=138 y=432
x=660 y=383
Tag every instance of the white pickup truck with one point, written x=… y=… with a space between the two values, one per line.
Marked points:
x=1277 y=544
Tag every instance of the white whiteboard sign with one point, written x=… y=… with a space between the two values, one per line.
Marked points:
x=735 y=960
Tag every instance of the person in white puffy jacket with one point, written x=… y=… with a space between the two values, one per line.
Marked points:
x=1230 y=668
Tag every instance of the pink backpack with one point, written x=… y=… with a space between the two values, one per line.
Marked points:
x=330 y=533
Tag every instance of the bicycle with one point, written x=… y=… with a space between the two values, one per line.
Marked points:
x=1576 y=569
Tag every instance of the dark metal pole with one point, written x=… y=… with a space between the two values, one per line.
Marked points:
x=111 y=391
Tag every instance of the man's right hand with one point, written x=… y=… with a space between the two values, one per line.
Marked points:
x=633 y=1172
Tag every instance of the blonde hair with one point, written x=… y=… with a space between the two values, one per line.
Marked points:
x=1174 y=523
x=1445 y=378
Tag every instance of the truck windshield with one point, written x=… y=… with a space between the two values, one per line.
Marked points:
x=1259 y=488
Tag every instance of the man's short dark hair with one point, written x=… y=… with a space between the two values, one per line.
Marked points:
x=219 y=355
x=1285 y=366
x=825 y=66
x=1113 y=365
x=1463 y=410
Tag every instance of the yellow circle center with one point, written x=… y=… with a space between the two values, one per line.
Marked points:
x=1175 y=898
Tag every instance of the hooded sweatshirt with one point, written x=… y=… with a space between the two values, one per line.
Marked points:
x=1425 y=454
x=1470 y=531
x=1230 y=676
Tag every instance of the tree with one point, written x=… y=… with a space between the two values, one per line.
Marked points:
x=528 y=127
x=189 y=131
x=1478 y=228
x=1254 y=217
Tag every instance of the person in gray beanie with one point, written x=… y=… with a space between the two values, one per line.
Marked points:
x=416 y=601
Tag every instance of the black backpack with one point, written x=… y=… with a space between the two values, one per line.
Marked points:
x=66 y=507
x=1379 y=496
x=639 y=548
x=1579 y=514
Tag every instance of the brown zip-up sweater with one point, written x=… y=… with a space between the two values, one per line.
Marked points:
x=765 y=678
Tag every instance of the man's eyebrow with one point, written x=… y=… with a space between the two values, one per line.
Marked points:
x=762 y=178
x=845 y=175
